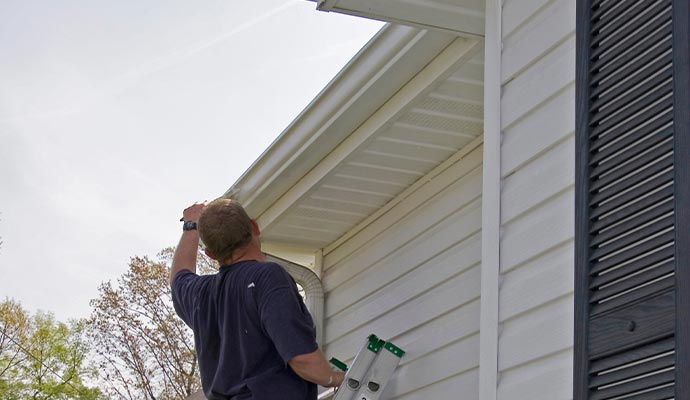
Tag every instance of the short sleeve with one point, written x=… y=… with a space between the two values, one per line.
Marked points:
x=283 y=314
x=185 y=294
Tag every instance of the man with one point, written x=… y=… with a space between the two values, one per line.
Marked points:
x=254 y=337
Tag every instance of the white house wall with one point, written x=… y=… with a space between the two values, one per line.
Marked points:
x=413 y=277
x=537 y=200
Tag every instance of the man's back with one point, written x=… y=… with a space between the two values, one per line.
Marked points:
x=248 y=322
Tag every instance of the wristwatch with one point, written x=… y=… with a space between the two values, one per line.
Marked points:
x=189 y=226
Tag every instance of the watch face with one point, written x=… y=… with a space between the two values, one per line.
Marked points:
x=189 y=226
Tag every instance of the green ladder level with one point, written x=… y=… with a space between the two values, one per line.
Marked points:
x=370 y=371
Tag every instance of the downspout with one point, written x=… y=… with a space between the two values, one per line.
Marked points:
x=313 y=289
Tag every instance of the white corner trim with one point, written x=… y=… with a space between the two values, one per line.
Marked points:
x=491 y=205
x=457 y=53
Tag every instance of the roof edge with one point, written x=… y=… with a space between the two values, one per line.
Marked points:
x=390 y=59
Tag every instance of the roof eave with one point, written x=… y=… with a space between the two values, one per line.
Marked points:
x=461 y=17
x=395 y=55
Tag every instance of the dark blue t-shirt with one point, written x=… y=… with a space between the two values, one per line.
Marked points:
x=248 y=321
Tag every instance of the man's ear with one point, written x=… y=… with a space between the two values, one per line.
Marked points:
x=208 y=253
x=255 y=228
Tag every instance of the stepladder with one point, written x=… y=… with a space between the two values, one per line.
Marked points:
x=370 y=371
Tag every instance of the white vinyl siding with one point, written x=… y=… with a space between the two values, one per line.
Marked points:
x=537 y=200
x=412 y=276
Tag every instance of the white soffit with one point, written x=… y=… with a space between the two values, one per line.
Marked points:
x=393 y=57
x=432 y=117
x=462 y=17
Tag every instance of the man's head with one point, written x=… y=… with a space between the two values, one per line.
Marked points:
x=225 y=227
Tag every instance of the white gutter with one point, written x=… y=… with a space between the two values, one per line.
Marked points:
x=462 y=17
x=491 y=205
x=365 y=84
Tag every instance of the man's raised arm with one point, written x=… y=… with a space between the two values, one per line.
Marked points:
x=185 y=253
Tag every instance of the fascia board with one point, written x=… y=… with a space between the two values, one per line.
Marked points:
x=395 y=55
x=464 y=19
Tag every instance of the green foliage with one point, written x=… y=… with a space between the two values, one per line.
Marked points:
x=41 y=358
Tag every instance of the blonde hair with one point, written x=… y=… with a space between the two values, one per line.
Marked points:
x=224 y=227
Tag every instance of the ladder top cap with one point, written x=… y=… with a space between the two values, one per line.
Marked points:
x=394 y=349
x=375 y=343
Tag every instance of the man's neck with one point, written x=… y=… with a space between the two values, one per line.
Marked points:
x=249 y=253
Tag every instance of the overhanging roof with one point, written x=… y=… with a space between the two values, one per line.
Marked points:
x=405 y=104
x=461 y=17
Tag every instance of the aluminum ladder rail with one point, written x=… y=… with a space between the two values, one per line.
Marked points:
x=371 y=370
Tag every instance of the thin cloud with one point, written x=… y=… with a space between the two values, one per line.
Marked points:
x=136 y=74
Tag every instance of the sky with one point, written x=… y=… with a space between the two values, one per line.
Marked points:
x=116 y=115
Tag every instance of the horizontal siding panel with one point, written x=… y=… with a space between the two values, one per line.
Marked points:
x=530 y=42
x=466 y=383
x=442 y=331
x=550 y=378
x=539 y=130
x=539 y=180
x=538 y=83
x=456 y=291
x=518 y=12
x=462 y=356
x=446 y=191
x=538 y=282
x=435 y=240
x=543 y=331
x=538 y=231
x=446 y=264
x=426 y=220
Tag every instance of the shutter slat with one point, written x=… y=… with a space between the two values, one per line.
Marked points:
x=623 y=169
x=615 y=231
x=662 y=393
x=604 y=308
x=634 y=386
x=633 y=238
x=635 y=281
x=636 y=178
x=619 y=41
x=648 y=50
x=633 y=196
x=618 y=98
x=631 y=145
x=637 y=251
x=618 y=360
x=638 y=265
x=635 y=122
x=634 y=109
x=599 y=8
x=656 y=199
x=631 y=372
x=613 y=23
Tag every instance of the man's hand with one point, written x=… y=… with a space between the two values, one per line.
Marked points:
x=192 y=212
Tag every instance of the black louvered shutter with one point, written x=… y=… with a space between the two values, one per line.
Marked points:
x=632 y=204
